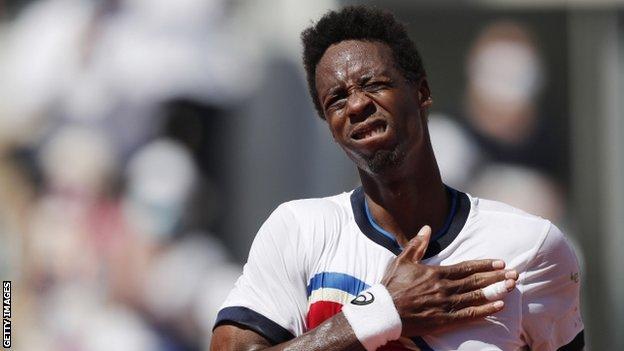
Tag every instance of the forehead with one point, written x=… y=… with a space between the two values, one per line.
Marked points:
x=350 y=59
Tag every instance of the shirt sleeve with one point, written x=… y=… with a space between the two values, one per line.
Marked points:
x=551 y=317
x=270 y=296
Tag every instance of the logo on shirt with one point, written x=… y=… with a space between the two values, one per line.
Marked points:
x=364 y=298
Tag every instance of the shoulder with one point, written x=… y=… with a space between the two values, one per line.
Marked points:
x=550 y=287
x=556 y=253
x=508 y=221
x=331 y=209
x=525 y=238
x=503 y=210
x=307 y=218
x=548 y=242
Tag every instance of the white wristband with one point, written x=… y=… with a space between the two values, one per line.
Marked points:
x=373 y=317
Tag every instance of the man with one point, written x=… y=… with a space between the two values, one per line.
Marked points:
x=362 y=270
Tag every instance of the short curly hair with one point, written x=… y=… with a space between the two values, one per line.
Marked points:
x=359 y=23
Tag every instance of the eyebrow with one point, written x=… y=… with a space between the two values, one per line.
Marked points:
x=334 y=90
x=361 y=81
x=365 y=78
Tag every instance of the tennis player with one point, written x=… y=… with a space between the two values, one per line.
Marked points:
x=403 y=262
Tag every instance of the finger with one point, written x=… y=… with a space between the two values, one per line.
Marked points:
x=413 y=246
x=467 y=268
x=476 y=312
x=481 y=280
x=496 y=291
x=420 y=242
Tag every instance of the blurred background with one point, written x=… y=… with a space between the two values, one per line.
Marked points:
x=143 y=143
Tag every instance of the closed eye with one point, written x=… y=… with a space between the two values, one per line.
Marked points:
x=376 y=86
x=336 y=101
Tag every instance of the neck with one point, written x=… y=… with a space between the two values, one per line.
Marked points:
x=404 y=204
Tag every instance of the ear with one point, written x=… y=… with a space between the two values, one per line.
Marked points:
x=424 y=93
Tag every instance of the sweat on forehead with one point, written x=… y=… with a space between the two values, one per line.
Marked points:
x=346 y=58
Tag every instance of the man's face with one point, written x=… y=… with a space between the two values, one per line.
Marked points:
x=373 y=112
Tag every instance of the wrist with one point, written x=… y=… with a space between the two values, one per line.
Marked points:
x=374 y=317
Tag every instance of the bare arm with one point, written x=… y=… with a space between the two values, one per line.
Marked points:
x=428 y=299
x=333 y=334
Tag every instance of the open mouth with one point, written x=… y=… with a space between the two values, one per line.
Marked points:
x=370 y=130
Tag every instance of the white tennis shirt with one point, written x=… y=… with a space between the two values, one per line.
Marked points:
x=312 y=256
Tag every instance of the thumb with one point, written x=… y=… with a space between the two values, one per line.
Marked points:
x=418 y=244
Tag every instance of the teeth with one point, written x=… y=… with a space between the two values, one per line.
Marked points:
x=370 y=133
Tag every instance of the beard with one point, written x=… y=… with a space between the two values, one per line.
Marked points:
x=384 y=160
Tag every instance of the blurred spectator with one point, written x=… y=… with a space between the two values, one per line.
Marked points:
x=102 y=232
x=501 y=108
x=112 y=63
x=501 y=124
x=160 y=178
x=177 y=265
x=504 y=77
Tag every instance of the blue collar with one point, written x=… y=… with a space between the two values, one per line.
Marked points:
x=458 y=214
x=436 y=236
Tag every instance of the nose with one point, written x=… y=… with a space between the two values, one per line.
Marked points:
x=359 y=106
